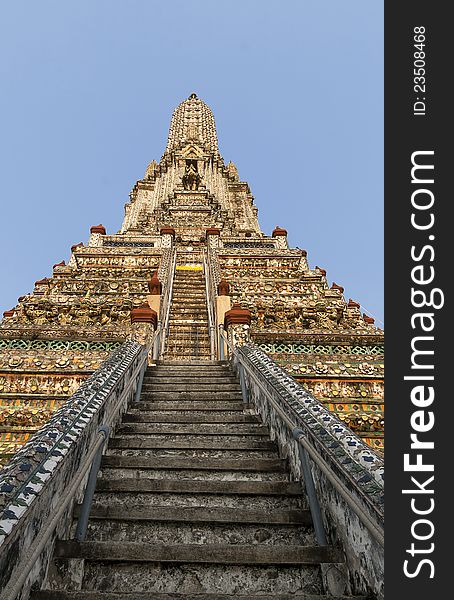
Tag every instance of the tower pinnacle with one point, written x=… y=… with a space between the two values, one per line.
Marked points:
x=193 y=121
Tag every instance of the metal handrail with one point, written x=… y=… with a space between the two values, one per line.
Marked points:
x=301 y=438
x=210 y=294
x=223 y=338
x=93 y=460
x=163 y=324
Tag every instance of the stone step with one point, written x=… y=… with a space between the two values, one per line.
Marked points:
x=192 y=396
x=193 y=474
x=206 y=373
x=186 y=327
x=222 y=488
x=190 y=453
x=203 y=354
x=264 y=465
x=268 y=503
x=188 y=377
x=188 y=351
x=190 y=364
x=162 y=385
x=183 y=304
x=171 y=405
x=177 y=371
x=239 y=429
x=186 y=532
x=189 y=444
x=97 y=595
x=185 y=577
x=197 y=314
x=189 y=303
x=181 y=320
x=221 y=554
x=187 y=335
x=199 y=441
x=189 y=314
x=189 y=296
x=204 y=370
x=190 y=293
x=176 y=343
x=185 y=317
x=143 y=416
x=199 y=515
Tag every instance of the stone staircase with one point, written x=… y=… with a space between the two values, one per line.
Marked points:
x=192 y=501
x=188 y=336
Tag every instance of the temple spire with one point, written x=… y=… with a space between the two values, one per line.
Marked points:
x=193 y=121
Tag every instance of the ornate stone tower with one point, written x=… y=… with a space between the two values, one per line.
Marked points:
x=190 y=256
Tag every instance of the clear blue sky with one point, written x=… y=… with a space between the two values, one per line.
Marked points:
x=296 y=87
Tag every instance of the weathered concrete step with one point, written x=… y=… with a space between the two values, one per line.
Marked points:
x=199 y=429
x=193 y=395
x=191 y=453
x=191 y=304
x=199 y=464
x=188 y=374
x=185 y=532
x=143 y=416
x=189 y=364
x=185 y=379
x=95 y=595
x=178 y=338
x=188 y=440
x=186 y=325
x=181 y=319
x=241 y=488
x=267 y=503
x=161 y=385
x=195 y=316
x=187 y=405
x=180 y=345
x=199 y=354
x=189 y=309
x=199 y=515
x=188 y=294
x=189 y=350
x=226 y=554
x=186 y=316
x=201 y=372
x=190 y=444
x=194 y=474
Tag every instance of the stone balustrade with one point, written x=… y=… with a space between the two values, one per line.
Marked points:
x=359 y=470
x=33 y=485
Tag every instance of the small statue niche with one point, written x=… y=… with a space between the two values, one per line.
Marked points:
x=191 y=178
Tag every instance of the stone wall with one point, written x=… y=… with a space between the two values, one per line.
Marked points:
x=352 y=461
x=34 y=483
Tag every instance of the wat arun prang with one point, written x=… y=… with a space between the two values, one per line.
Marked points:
x=57 y=335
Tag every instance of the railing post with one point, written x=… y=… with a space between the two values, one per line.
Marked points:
x=314 y=505
x=221 y=344
x=140 y=381
x=84 y=515
x=157 y=341
x=243 y=383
